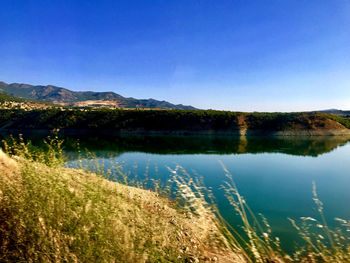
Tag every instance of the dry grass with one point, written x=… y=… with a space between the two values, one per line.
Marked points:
x=53 y=214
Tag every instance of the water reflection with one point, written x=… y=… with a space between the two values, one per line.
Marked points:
x=292 y=145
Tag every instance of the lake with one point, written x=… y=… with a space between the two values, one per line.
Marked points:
x=274 y=175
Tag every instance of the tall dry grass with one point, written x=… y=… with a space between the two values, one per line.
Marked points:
x=49 y=213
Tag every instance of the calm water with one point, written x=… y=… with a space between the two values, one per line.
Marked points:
x=274 y=175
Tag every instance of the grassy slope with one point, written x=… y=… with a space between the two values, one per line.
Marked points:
x=344 y=120
x=54 y=214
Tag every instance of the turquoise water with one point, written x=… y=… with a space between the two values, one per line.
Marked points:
x=274 y=175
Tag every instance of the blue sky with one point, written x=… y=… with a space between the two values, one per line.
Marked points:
x=230 y=55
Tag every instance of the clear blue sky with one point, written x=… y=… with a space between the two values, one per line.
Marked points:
x=263 y=55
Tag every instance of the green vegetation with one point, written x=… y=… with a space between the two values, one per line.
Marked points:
x=280 y=121
x=6 y=98
x=9 y=102
x=336 y=112
x=180 y=121
x=107 y=119
x=345 y=120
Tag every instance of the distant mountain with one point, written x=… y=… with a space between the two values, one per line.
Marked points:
x=336 y=112
x=67 y=97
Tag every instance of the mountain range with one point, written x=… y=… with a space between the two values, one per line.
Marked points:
x=337 y=112
x=65 y=97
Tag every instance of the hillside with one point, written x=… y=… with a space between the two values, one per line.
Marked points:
x=173 y=122
x=10 y=102
x=65 y=97
x=336 y=112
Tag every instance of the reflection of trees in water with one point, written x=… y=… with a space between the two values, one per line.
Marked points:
x=112 y=146
x=294 y=145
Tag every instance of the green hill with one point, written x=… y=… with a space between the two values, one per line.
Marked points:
x=174 y=122
x=11 y=102
x=6 y=98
